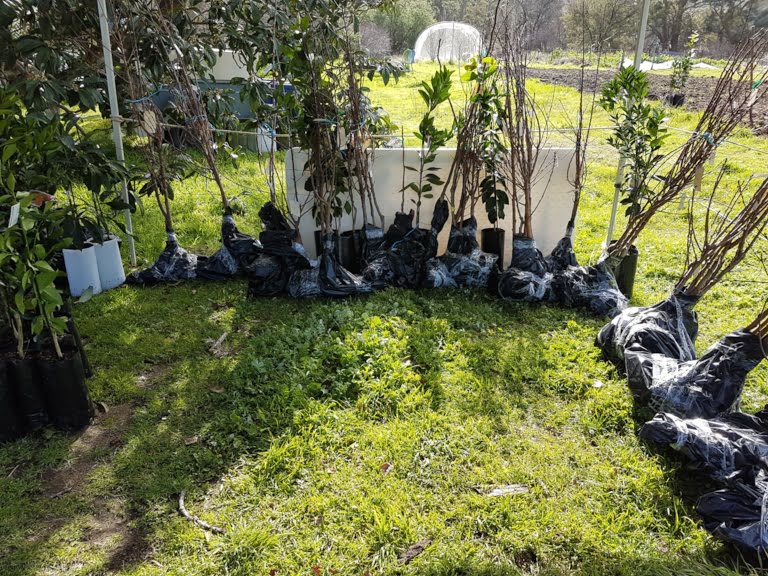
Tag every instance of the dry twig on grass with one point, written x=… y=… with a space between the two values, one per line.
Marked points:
x=196 y=520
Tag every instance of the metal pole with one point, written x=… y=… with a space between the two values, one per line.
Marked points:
x=622 y=162
x=114 y=111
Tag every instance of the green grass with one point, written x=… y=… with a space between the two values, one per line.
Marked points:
x=334 y=435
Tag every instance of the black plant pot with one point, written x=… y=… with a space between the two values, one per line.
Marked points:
x=25 y=383
x=492 y=242
x=626 y=272
x=66 y=395
x=10 y=425
x=676 y=100
x=350 y=250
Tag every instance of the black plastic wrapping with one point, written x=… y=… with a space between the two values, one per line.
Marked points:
x=729 y=446
x=373 y=243
x=463 y=264
x=238 y=250
x=668 y=328
x=562 y=256
x=329 y=278
x=269 y=272
x=702 y=388
x=173 y=265
x=738 y=514
x=527 y=257
x=272 y=219
x=521 y=286
x=591 y=288
x=407 y=251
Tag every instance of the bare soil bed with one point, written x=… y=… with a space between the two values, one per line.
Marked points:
x=697 y=93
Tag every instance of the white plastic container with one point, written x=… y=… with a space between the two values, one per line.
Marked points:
x=82 y=271
x=109 y=263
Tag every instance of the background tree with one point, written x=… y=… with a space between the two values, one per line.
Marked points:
x=610 y=23
x=404 y=20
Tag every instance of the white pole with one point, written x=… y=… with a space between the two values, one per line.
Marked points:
x=114 y=111
x=622 y=162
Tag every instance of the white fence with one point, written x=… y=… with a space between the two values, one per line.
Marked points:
x=553 y=196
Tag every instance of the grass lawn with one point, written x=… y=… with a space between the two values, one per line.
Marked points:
x=329 y=437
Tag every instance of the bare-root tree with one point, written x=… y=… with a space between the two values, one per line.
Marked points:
x=725 y=237
x=759 y=326
x=582 y=127
x=732 y=99
x=525 y=125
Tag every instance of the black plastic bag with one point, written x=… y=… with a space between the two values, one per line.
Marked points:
x=464 y=262
x=667 y=328
x=523 y=286
x=408 y=250
x=702 y=388
x=591 y=288
x=738 y=514
x=272 y=219
x=269 y=272
x=329 y=278
x=438 y=275
x=562 y=256
x=526 y=257
x=373 y=243
x=463 y=239
x=173 y=265
x=236 y=252
x=726 y=447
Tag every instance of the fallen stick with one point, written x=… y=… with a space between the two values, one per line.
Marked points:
x=202 y=523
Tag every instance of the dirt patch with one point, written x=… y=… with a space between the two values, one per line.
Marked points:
x=95 y=444
x=697 y=93
x=109 y=526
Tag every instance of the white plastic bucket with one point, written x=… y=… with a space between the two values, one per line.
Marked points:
x=110 y=264
x=82 y=271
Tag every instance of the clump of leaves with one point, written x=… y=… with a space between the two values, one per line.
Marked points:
x=638 y=133
x=433 y=93
x=681 y=66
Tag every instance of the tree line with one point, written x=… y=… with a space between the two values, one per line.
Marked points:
x=553 y=24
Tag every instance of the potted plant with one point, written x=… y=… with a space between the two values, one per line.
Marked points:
x=431 y=139
x=46 y=371
x=524 y=122
x=732 y=100
x=681 y=70
x=638 y=135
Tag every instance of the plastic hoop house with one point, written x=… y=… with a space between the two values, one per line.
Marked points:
x=448 y=42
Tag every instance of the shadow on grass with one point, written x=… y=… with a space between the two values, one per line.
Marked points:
x=194 y=410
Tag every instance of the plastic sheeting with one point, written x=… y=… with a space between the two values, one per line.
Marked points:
x=562 y=256
x=701 y=388
x=668 y=328
x=522 y=286
x=727 y=447
x=281 y=256
x=739 y=513
x=173 y=265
